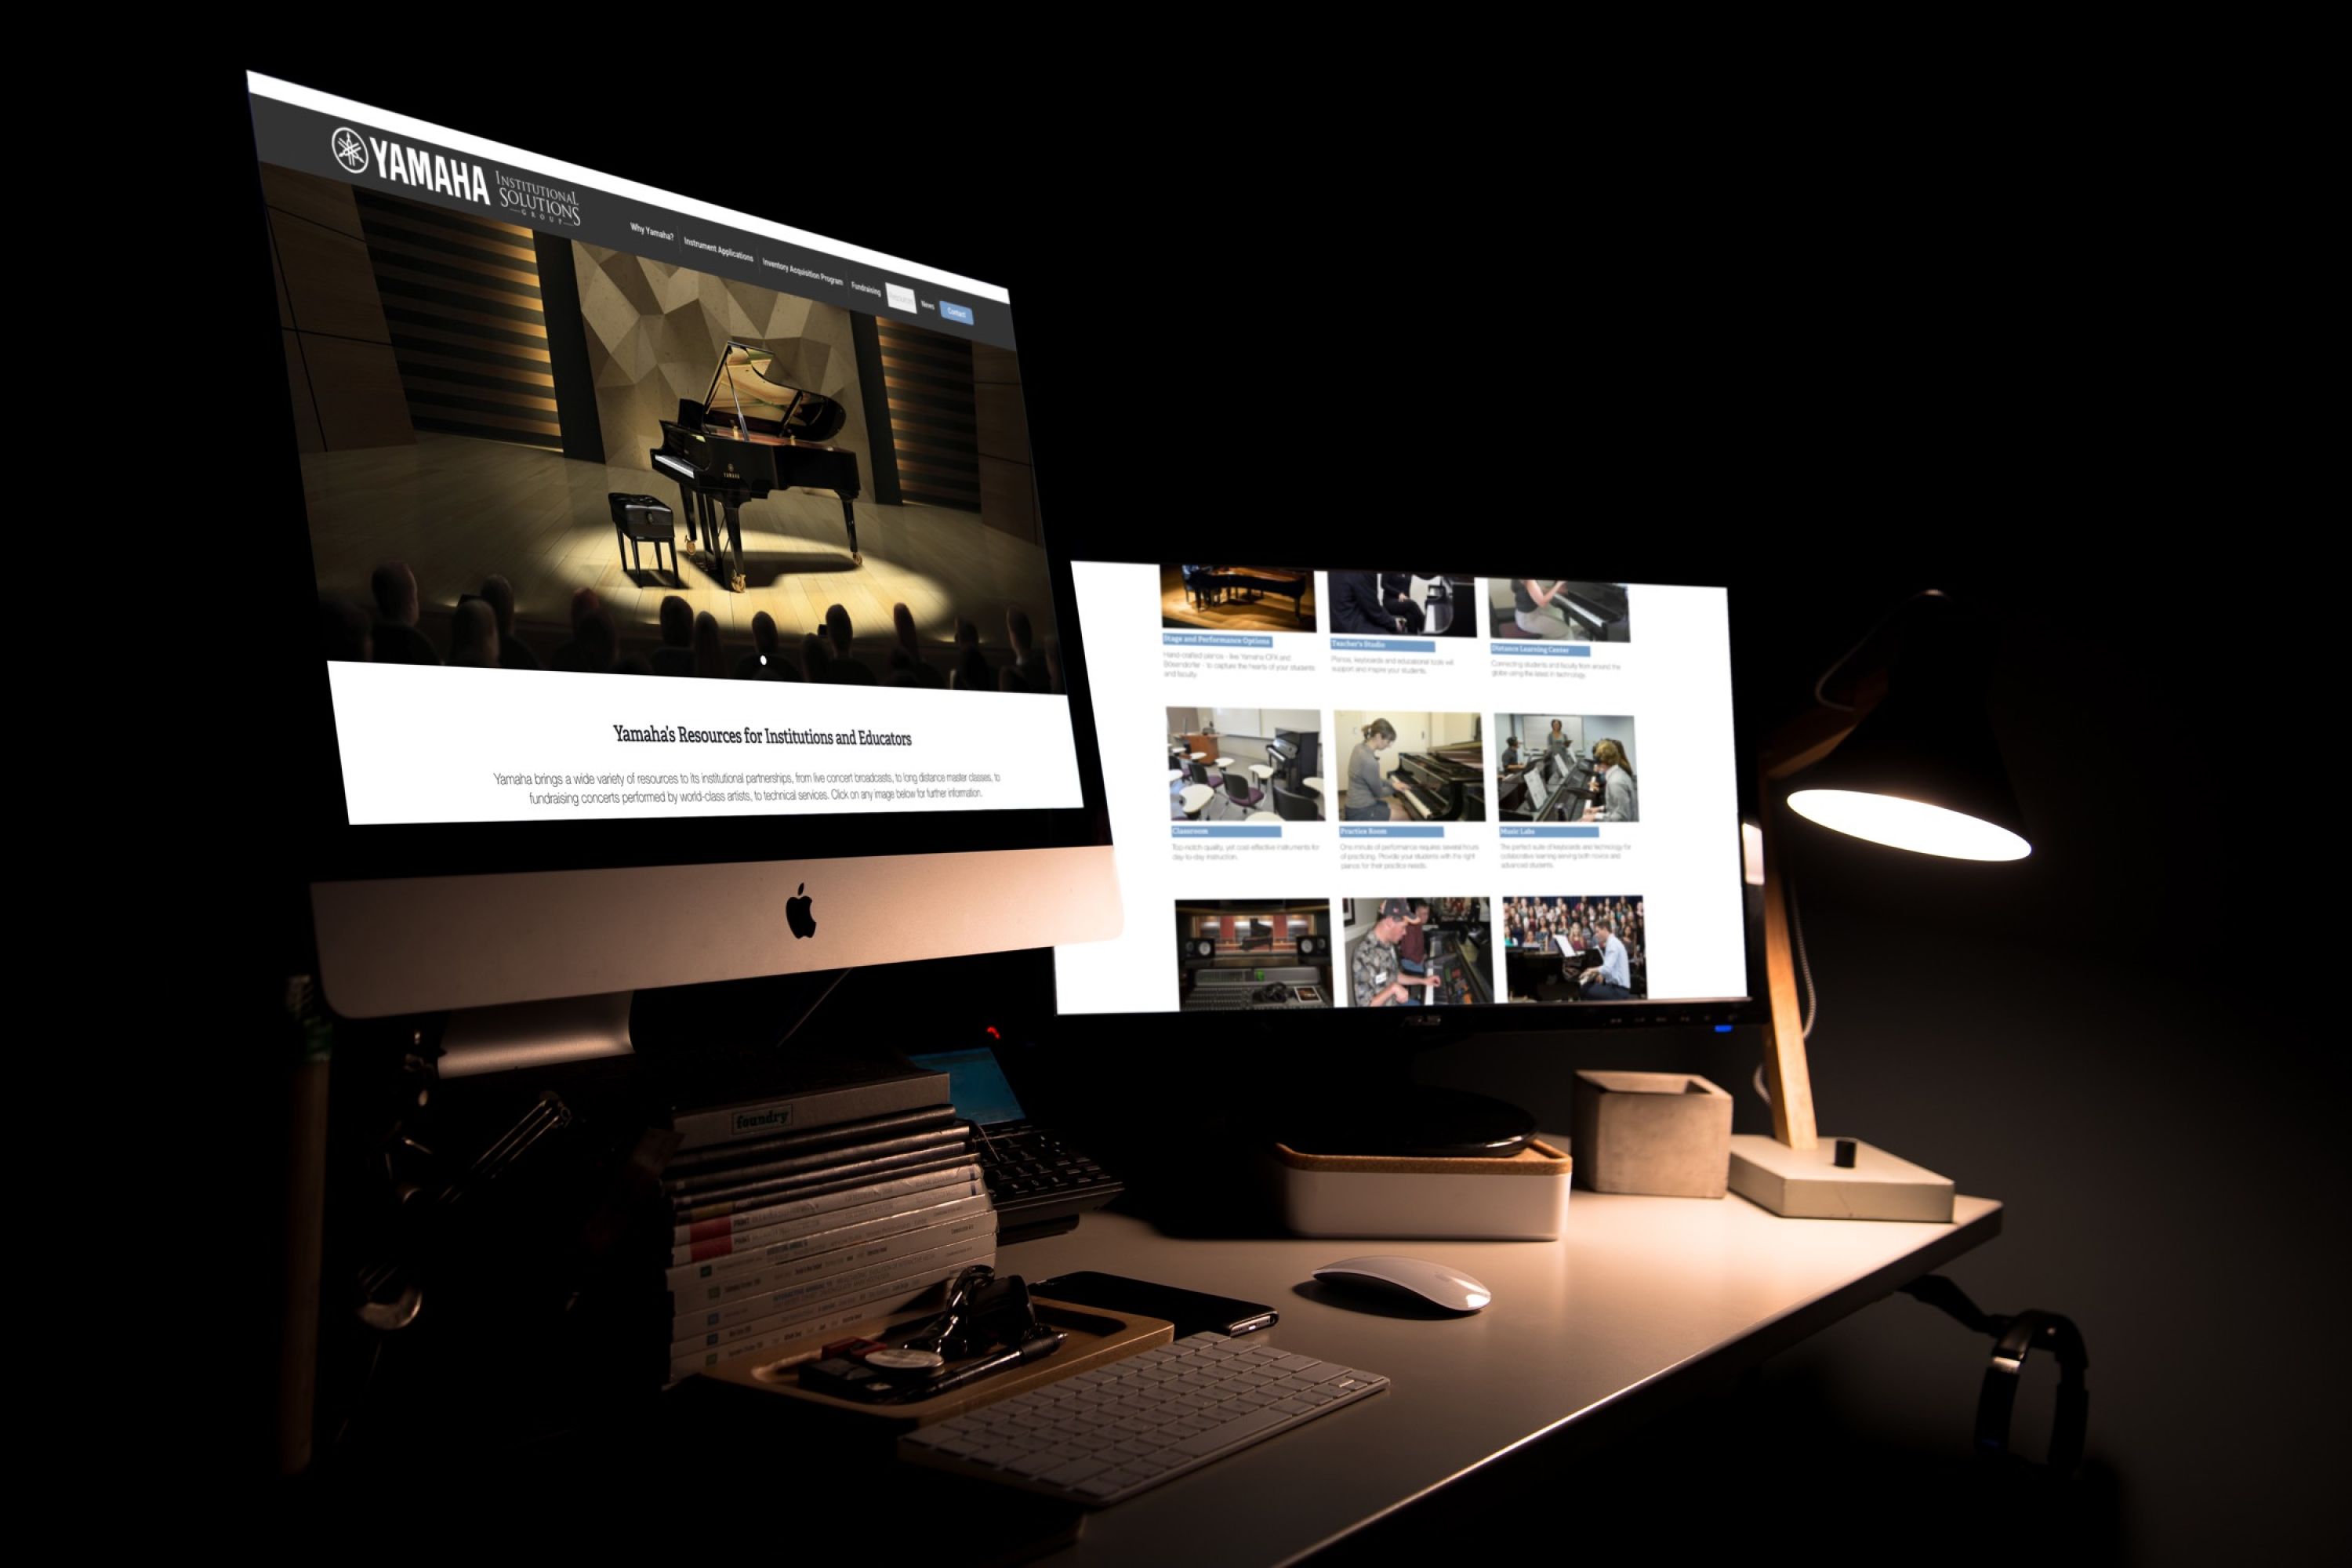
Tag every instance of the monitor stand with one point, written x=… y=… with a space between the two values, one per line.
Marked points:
x=479 y=1040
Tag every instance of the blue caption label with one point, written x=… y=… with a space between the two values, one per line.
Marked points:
x=1226 y=829
x=1384 y=645
x=1391 y=830
x=1525 y=830
x=1545 y=649
x=1213 y=639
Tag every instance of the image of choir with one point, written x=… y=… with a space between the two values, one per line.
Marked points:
x=1575 y=949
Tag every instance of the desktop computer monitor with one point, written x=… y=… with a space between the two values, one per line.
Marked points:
x=672 y=623
x=1528 y=819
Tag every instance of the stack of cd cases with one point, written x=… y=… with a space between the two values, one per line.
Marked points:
x=801 y=1217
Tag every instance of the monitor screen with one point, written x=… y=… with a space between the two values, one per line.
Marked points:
x=624 y=508
x=1415 y=790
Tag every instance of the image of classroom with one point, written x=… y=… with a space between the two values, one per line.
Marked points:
x=1574 y=949
x=1398 y=766
x=1560 y=611
x=1416 y=952
x=1253 y=955
x=1245 y=765
x=1237 y=598
x=1392 y=604
x=1562 y=767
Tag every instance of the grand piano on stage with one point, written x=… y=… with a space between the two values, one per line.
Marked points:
x=750 y=435
x=1445 y=784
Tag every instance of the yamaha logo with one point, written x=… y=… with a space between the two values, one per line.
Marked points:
x=398 y=165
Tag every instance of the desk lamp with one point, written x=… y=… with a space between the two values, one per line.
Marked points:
x=1908 y=762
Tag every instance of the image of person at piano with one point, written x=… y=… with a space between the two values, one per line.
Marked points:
x=1618 y=802
x=1206 y=582
x=1530 y=596
x=1376 y=968
x=1612 y=980
x=1413 y=944
x=1363 y=604
x=1370 y=796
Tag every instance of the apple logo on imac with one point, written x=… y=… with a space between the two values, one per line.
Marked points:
x=797 y=916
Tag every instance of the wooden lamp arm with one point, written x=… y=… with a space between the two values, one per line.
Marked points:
x=1795 y=748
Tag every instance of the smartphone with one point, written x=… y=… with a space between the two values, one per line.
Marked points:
x=1192 y=1311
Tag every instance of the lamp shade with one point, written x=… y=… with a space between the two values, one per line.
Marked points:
x=1922 y=770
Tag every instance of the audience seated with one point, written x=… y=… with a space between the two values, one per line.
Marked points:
x=343 y=631
x=844 y=668
x=594 y=645
x=584 y=603
x=709 y=652
x=474 y=636
x=395 y=637
x=766 y=661
x=972 y=671
x=907 y=657
x=513 y=652
x=482 y=635
x=1026 y=659
x=676 y=655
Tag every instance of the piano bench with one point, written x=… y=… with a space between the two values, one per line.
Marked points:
x=644 y=520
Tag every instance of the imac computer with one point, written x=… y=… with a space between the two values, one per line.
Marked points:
x=1375 y=836
x=685 y=613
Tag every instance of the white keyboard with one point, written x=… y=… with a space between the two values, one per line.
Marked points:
x=1103 y=1436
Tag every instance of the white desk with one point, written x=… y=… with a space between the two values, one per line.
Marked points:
x=1644 y=1300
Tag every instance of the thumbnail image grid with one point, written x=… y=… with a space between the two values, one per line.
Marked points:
x=1237 y=598
x=1575 y=948
x=1252 y=955
x=1417 y=952
x=1245 y=765
x=1565 y=767
x=1555 y=609
x=1407 y=603
x=1404 y=765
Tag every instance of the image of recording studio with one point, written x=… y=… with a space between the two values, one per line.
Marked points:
x=1237 y=598
x=1554 y=609
x=1411 y=767
x=1416 y=952
x=1408 y=604
x=1245 y=765
x=1574 y=950
x=1238 y=954
x=1560 y=767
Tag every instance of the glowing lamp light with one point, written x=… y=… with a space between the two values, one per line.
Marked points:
x=1922 y=771
x=1908 y=825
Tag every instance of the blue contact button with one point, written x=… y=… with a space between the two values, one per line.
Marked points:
x=955 y=312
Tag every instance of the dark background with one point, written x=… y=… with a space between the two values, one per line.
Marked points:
x=1828 y=375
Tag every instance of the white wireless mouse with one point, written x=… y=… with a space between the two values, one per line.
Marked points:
x=1437 y=1283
